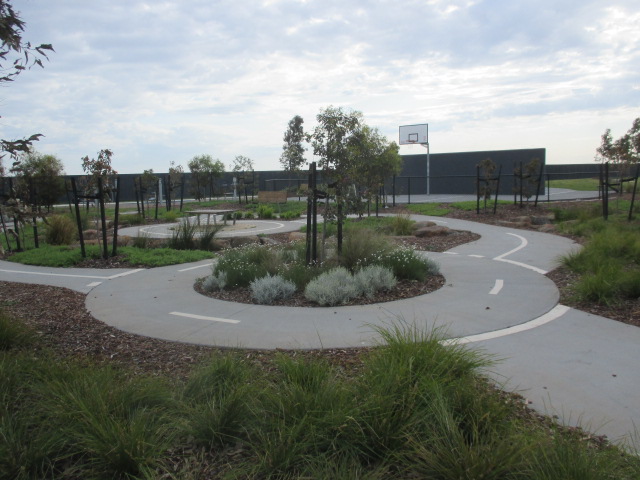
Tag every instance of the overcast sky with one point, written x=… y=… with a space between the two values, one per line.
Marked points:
x=162 y=81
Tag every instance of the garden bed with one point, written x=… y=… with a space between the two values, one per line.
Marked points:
x=404 y=289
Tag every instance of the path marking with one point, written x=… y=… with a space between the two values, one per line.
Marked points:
x=523 y=244
x=124 y=274
x=94 y=284
x=194 y=268
x=476 y=256
x=202 y=317
x=49 y=274
x=553 y=314
x=497 y=287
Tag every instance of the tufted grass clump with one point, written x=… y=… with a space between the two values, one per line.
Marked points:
x=268 y=289
x=13 y=333
x=61 y=230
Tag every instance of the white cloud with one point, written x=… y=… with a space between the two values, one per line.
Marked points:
x=161 y=81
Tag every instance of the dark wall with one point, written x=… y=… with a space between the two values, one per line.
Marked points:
x=455 y=173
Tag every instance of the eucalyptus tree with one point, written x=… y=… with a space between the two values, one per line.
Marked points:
x=292 y=158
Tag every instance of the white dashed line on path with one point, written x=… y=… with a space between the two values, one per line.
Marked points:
x=202 y=317
x=497 y=287
x=196 y=267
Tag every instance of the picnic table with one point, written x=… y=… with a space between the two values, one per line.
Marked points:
x=209 y=213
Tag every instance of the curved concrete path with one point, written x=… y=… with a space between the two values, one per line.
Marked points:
x=568 y=363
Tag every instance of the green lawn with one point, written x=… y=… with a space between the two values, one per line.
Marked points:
x=64 y=256
x=580 y=184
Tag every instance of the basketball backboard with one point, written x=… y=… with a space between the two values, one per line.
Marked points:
x=414 y=134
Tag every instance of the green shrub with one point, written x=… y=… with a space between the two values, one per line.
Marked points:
x=248 y=215
x=290 y=215
x=269 y=288
x=125 y=220
x=170 y=216
x=301 y=274
x=265 y=212
x=61 y=230
x=407 y=264
x=243 y=265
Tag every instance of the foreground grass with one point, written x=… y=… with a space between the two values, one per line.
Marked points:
x=412 y=408
x=64 y=256
x=609 y=263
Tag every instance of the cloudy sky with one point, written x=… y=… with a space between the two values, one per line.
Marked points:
x=161 y=81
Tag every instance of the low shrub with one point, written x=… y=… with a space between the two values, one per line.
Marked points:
x=407 y=264
x=334 y=287
x=61 y=230
x=265 y=212
x=243 y=265
x=374 y=278
x=126 y=220
x=170 y=216
x=248 y=215
x=268 y=289
x=215 y=282
x=290 y=215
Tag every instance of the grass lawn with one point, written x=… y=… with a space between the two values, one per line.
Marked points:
x=63 y=256
x=580 y=184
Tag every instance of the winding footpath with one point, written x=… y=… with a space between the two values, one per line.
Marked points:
x=579 y=367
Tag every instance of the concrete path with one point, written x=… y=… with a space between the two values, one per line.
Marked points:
x=565 y=362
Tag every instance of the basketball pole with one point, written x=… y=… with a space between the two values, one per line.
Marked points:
x=428 y=168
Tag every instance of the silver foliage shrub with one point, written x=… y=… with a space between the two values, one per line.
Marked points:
x=267 y=289
x=374 y=278
x=332 y=288
x=217 y=281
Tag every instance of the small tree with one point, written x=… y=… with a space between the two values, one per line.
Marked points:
x=292 y=157
x=242 y=165
x=99 y=168
x=204 y=170
x=623 y=152
x=332 y=141
x=374 y=160
x=175 y=179
x=149 y=183
x=39 y=178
